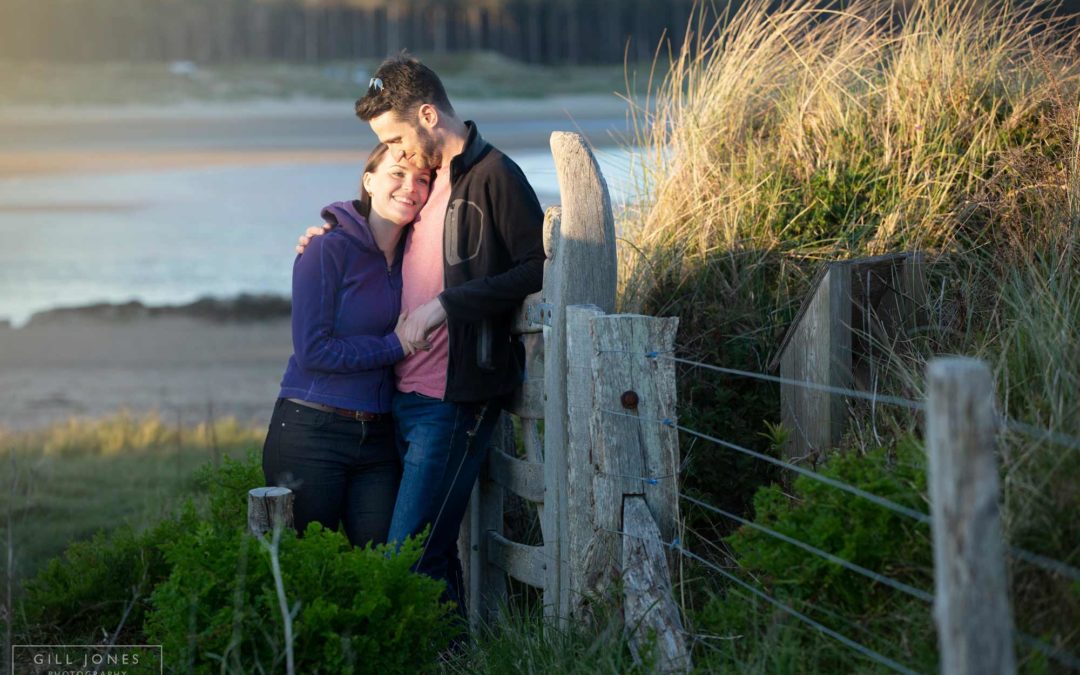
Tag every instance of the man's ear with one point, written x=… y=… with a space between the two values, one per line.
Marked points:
x=428 y=116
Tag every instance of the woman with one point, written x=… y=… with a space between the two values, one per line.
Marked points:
x=331 y=439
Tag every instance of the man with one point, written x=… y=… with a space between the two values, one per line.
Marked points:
x=473 y=255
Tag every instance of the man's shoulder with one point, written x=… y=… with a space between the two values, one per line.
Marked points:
x=497 y=165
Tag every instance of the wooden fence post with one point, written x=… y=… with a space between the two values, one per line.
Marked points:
x=971 y=602
x=582 y=270
x=269 y=507
x=818 y=350
x=587 y=556
x=635 y=463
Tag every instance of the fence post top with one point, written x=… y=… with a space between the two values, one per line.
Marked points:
x=957 y=366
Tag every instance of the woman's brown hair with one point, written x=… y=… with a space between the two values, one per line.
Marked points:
x=372 y=163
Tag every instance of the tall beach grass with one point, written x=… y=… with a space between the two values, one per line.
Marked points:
x=779 y=139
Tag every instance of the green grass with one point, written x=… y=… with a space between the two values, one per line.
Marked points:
x=66 y=482
x=473 y=75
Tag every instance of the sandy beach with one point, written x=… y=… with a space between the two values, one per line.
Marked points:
x=186 y=368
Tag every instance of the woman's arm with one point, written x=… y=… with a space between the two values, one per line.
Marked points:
x=317 y=276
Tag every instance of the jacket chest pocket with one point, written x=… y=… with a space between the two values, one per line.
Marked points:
x=463 y=230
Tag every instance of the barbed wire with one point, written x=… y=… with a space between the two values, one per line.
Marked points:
x=832 y=482
x=806 y=384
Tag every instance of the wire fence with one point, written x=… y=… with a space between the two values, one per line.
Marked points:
x=1046 y=563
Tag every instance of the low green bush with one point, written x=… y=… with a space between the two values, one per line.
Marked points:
x=202 y=587
x=882 y=618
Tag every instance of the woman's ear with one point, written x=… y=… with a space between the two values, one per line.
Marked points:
x=366 y=182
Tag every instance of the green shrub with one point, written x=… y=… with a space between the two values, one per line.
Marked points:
x=96 y=584
x=882 y=618
x=201 y=586
x=355 y=609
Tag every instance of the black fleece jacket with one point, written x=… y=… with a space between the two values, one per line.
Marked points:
x=493 y=256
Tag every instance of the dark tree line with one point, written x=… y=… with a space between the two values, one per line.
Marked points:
x=222 y=31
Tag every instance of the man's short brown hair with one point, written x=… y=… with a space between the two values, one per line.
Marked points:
x=402 y=84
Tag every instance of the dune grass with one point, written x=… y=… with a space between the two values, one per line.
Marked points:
x=777 y=140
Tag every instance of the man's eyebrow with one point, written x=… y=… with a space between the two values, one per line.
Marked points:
x=395 y=139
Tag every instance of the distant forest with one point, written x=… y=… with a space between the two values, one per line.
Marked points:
x=224 y=31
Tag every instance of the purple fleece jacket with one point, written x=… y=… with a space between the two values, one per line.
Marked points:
x=345 y=304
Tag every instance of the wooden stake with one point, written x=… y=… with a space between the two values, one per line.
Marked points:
x=971 y=601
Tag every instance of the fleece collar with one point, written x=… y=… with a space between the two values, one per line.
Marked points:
x=475 y=149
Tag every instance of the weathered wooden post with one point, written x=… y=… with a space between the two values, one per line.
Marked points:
x=853 y=309
x=582 y=270
x=269 y=507
x=625 y=464
x=818 y=349
x=579 y=241
x=971 y=602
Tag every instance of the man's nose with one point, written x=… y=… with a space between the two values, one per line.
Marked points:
x=400 y=155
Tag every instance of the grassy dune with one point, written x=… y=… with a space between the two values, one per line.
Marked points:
x=782 y=140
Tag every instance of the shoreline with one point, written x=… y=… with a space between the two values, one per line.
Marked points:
x=215 y=357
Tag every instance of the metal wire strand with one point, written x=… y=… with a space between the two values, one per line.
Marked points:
x=846 y=641
x=881 y=578
x=1048 y=564
x=806 y=384
x=1062 y=657
x=832 y=482
x=1023 y=428
x=847 y=564
x=1040 y=434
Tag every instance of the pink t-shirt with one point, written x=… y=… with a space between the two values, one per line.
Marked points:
x=424 y=372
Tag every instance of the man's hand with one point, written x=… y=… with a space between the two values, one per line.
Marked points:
x=409 y=347
x=423 y=320
x=305 y=238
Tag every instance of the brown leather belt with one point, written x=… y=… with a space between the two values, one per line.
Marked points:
x=355 y=415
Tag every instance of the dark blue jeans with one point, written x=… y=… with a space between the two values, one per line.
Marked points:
x=342 y=471
x=443 y=447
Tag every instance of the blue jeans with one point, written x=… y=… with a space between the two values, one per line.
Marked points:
x=342 y=471
x=443 y=446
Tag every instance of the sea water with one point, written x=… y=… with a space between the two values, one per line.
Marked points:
x=173 y=236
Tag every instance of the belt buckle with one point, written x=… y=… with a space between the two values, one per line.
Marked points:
x=361 y=416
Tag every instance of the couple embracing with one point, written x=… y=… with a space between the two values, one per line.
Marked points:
x=403 y=356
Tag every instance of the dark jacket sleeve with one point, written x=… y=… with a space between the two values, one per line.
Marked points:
x=517 y=217
x=317 y=276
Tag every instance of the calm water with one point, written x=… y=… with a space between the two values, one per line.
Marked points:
x=174 y=236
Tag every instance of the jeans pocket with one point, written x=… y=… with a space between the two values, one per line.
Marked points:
x=302 y=416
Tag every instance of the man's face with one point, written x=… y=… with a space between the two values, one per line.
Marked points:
x=409 y=140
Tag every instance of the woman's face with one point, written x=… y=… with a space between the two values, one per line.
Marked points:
x=398 y=189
